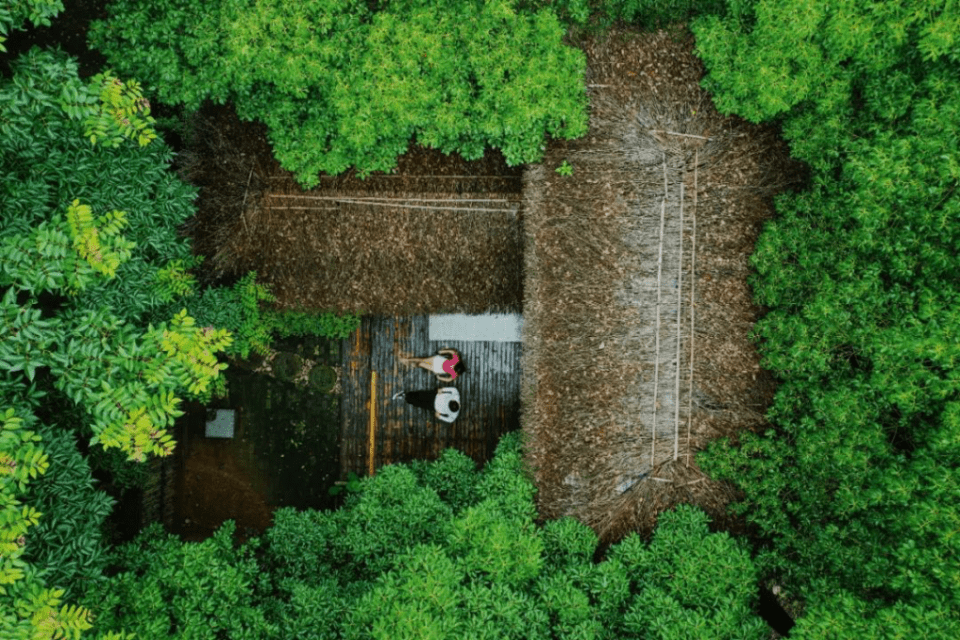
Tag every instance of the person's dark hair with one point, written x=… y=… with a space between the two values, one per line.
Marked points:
x=454 y=406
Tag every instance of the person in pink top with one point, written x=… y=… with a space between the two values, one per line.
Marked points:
x=434 y=364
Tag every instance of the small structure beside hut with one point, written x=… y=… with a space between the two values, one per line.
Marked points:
x=637 y=309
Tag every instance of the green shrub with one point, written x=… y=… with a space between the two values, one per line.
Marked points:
x=67 y=545
x=453 y=476
x=850 y=487
x=398 y=562
x=242 y=309
x=39 y=12
x=169 y=589
x=341 y=85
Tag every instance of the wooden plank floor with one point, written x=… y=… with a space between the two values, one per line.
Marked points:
x=372 y=373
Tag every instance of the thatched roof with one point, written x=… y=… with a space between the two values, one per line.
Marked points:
x=438 y=235
x=611 y=412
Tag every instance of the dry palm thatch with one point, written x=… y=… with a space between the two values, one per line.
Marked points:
x=439 y=234
x=637 y=309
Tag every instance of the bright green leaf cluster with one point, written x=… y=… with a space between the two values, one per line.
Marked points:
x=339 y=85
x=112 y=110
x=440 y=550
x=20 y=461
x=105 y=257
x=174 y=281
x=854 y=486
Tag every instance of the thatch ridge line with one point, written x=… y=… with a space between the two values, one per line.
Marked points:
x=693 y=275
x=656 y=358
x=389 y=204
x=372 y=198
x=676 y=412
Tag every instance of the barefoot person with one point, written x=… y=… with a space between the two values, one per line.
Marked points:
x=444 y=402
x=434 y=364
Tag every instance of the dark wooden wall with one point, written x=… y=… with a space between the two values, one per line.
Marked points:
x=489 y=395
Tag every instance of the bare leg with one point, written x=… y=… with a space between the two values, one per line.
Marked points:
x=426 y=363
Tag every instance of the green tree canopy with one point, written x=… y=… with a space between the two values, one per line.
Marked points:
x=437 y=550
x=857 y=487
x=13 y=15
x=96 y=339
x=340 y=84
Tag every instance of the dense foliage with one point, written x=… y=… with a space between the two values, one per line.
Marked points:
x=857 y=488
x=97 y=339
x=254 y=326
x=437 y=550
x=15 y=15
x=341 y=84
x=599 y=15
x=68 y=543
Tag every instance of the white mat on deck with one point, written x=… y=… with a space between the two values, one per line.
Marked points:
x=222 y=426
x=490 y=327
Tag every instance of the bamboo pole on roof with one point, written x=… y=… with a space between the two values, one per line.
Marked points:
x=243 y=214
x=676 y=413
x=315 y=208
x=693 y=266
x=283 y=177
x=683 y=135
x=656 y=358
x=373 y=417
x=388 y=204
x=398 y=199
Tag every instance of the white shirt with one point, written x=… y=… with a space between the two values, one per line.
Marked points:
x=437 y=364
x=442 y=403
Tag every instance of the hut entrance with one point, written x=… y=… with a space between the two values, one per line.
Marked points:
x=284 y=445
x=378 y=430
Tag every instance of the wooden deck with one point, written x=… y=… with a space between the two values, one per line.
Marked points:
x=377 y=431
